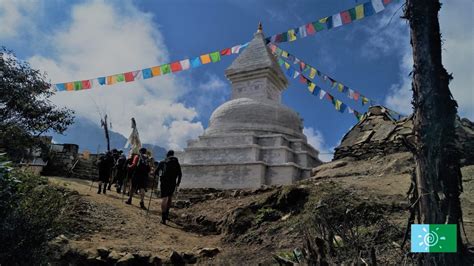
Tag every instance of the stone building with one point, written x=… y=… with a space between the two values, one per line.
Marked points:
x=252 y=139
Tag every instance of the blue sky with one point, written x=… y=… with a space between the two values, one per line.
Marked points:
x=73 y=40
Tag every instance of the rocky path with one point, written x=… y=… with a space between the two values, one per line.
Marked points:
x=127 y=228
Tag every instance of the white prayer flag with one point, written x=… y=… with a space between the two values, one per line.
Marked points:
x=378 y=5
x=336 y=20
x=185 y=64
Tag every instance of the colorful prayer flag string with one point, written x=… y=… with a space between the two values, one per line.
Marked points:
x=313 y=72
x=318 y=91
x=342 y=18
x=150 y=72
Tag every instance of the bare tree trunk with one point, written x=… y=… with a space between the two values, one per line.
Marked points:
x=438 y=175
x=106 y=129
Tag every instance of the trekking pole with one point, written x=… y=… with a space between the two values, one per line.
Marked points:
x=151 y=194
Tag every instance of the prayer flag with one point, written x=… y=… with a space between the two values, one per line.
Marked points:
x=346 y=17
x=302 y=31
x=296 y=74
x=378 y=5
x=336 y=20
x=322 y=93
x=205 y=59
x=165 y=69
x=329 y=23
x=86 y=84
x=303 y=80
x=340 y=87
x=330 y=98
x=302 y=66
x=119 y=78
x=386 y=2
x=243 y=46
x=337 y=105
x=352 y=12
x=137 y=75
x=274 y=38
x=129 y=77
x=364 y=100
x=146 y=73
x=312 y=73
x=368 y=9
x=356 y=95
x=359 y=10
x=287 y=66
x=318 y=25
x=215 y=57
x=342 y=108
x=317 y=90
x=226 y=51
x=235 y=49
x=291 y=35
x=185 y=64
x=281 y=61
x=77 y=85
x=323 y=20
x=284 y=54
x=290 y=72
x=279 y=51
x=351 y=94
x=101 y=80
x=111 y=80
x=345 y=89
x=284 y=37
x=61 y=87
x=155 y=71
x=311 y=87
x=176 y=66
x=291 y=58
x=197 y=61
x=69 y=86
x=310 y=29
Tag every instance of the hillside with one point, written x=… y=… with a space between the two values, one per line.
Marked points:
x=364 y=198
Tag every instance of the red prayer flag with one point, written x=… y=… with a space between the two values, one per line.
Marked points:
x=329 y=97
x=346 y=17
x=310 y=29
x=302 y=65
x=176 y=66
x=86 y=84
x=356 y=95
x=303 y=79
x=129 y=77
x=386 y=2
x=226 y=51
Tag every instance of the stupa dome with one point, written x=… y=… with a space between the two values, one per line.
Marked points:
x=260 y=117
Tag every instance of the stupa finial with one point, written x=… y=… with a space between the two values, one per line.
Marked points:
x=260 y=28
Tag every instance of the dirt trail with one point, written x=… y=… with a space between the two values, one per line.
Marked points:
x=126 y=228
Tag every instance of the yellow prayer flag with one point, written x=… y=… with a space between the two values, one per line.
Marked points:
x=323 y=20
x=111 y=79
x=287 y=65
x=284 y=54
x=155 y=71
x=312 y=73
x=311 y=87
x=340 y=87
x=291 y=35
x=69 y=86
x=338 y=105
x=205 y=59
x=359 y=11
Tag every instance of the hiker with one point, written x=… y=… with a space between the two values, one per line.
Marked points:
x=141 y=168
x=120 y=171
x=105 y=166
x=170 y=174
x=113 y=180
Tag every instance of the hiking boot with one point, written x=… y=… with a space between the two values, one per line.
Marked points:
x=129 y=201
x=110 y=185
x=103 y=191
x=163 y=219
x=142 y=205
x=100 y=189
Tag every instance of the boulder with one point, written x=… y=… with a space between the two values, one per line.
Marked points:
x=208 y=252
x=126 y=260
x=176 y=259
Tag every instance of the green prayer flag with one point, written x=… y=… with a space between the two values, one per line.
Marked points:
x=165 y=69
x=352 y=12
x=215 y=57
x=77 y=85
x=318 y=26
x=120 y=77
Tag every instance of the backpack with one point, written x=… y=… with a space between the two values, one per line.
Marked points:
x=142 y=166
x=171 y=168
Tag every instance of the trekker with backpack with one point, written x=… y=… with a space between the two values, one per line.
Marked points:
x=105 y=166
x=120 y=171
x=140 y=168
x=170 y=179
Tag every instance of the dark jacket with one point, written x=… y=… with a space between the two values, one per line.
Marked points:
x=170 y=170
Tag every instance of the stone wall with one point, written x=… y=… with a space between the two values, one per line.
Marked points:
x=378 y=134
x=61 y=159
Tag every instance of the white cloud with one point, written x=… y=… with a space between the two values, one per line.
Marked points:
x=102 y=39
x=458 y=58
x=316 y=139
x=15 y=16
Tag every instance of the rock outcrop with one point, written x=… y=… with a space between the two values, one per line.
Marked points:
x=379 y=134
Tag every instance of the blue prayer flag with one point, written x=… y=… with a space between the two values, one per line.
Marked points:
x=101 y=80
x=342 y=108
x=147 y=73
x=368 y=9
x=329 y=22
x=60 y=87
x=196 y=62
